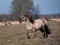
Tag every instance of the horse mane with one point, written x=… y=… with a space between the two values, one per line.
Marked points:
x=31 y=20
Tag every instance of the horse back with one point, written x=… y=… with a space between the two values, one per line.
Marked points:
x=44 y=21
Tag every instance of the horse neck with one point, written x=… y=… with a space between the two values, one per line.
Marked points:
x=28 y=23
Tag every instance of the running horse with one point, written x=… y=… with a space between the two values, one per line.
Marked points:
x=36 y=24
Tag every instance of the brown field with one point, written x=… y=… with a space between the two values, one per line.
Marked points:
x=56 y=19
x=16 y=35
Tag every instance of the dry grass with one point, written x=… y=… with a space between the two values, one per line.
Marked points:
x=16 y=35
x=56 y=19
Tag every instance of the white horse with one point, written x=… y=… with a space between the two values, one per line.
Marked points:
x=36 y=24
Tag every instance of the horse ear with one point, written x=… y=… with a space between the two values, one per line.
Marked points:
x=27 y=15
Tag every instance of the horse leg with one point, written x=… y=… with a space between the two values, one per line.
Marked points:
x=34 y=33
x=46 y=35
x=28 y=35
x=45 y=32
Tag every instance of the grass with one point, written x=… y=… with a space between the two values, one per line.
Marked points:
x=16 y=35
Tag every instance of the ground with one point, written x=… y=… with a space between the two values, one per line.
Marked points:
x=16 y=35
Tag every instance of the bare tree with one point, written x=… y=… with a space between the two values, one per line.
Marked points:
x=36 y=11
x=21 y=6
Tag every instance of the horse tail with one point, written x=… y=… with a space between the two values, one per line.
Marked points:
x=47 y=30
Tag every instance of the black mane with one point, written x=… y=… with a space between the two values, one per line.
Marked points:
x=31 y=20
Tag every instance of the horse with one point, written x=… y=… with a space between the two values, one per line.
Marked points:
x=34 y=25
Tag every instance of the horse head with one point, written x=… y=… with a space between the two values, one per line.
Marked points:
x=27 y=17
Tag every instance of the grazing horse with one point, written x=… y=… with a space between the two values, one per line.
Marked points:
x=36 y=24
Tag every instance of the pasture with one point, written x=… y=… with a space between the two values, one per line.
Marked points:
x=16 y=35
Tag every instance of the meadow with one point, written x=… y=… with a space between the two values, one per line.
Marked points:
x=16 y=35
